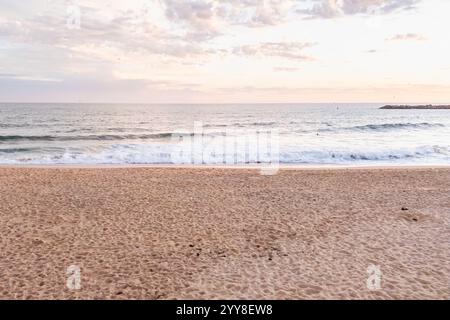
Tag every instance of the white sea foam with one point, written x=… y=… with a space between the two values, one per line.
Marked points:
x=163 y=154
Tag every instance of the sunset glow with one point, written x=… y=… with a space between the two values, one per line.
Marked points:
x=225 y=51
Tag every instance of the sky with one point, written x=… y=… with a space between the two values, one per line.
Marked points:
x=225 y=51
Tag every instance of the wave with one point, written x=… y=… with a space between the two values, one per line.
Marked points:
x=263 y=124
x=241 y=124
x=111 y=137
x=401 y=155
x=17 y=150
x=19 y=125
x=164 y=153
x=387 y=126
x=166 y=135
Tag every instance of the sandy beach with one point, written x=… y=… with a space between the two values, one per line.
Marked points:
x=183 y=233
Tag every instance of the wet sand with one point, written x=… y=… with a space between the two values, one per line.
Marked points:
x=165 y=233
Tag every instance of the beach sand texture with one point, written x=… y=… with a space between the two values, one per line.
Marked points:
x=165 y=233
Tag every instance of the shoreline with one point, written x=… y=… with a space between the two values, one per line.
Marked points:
x=231 y=167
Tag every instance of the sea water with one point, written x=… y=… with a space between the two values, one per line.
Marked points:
x=310 y=134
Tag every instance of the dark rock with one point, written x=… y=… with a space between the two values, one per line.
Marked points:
x=405 y=107
x=37 y=242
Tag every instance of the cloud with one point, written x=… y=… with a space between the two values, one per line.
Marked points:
x=83 y=89
x=196 y=16
x=206 y=19
x=286 y=69
x=8 y=75
x=336 y=8
x=124 y=31
x=198 y=41
x=117 y=45
x=255 y=13
x=407 y=37
x=211 y=16
x=288 y=50
x=14 y=77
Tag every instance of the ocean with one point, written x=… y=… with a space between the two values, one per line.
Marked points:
x=308 y=134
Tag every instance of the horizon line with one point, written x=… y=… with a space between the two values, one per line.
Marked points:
x=221 y=103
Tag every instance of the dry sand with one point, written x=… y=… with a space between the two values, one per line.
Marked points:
x=164 y=233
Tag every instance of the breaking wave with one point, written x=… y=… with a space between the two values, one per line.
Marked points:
x=163 y=153
x=388 y=126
